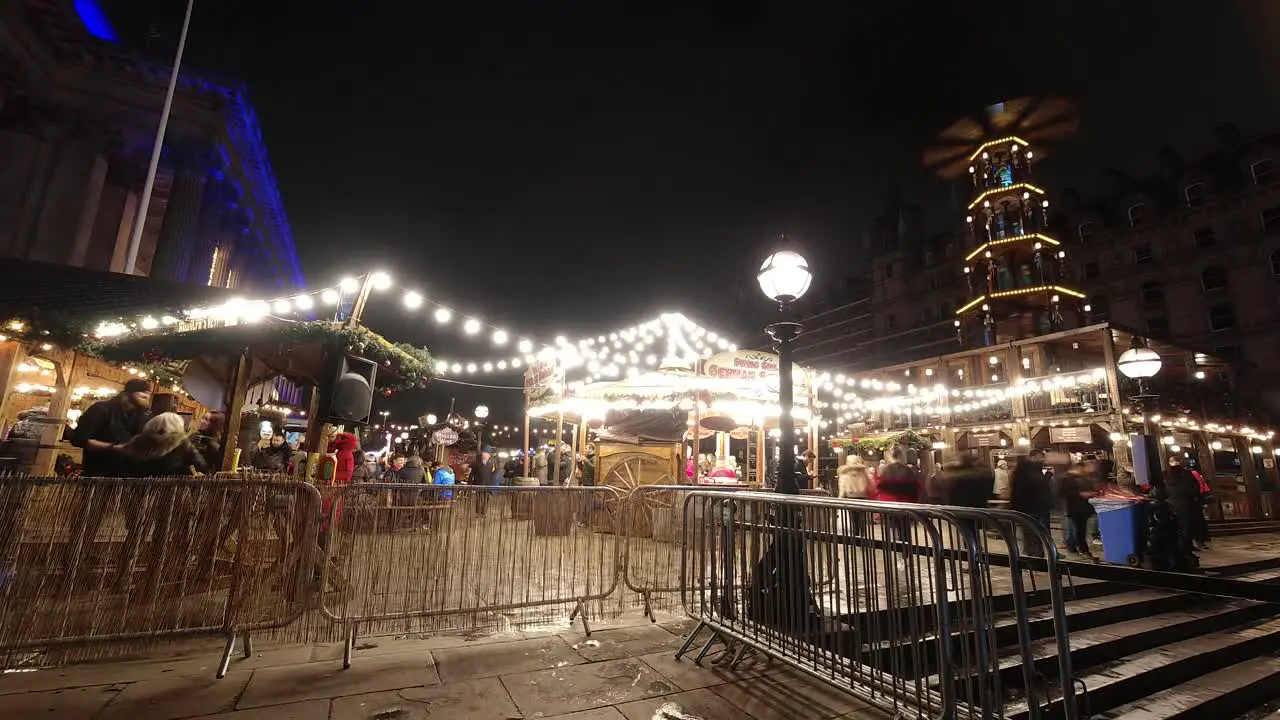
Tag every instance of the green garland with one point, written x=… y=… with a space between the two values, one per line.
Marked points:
x=906 y=437
x=410 y=367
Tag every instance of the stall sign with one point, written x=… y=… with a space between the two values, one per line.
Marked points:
x=542 y=383
x=984 y=439
x=751 y=365
x=444 y=436
x=1079 y=434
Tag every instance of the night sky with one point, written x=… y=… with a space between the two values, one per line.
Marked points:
x=574 y=167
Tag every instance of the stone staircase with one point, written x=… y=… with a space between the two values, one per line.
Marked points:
x=1152 y=654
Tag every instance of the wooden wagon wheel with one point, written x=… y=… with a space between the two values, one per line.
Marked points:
x=627 y=472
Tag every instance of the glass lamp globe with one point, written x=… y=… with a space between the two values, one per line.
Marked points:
x=784 y=276
x=1139 y=363
x=482 y=411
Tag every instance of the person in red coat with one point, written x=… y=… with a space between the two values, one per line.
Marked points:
x=343 y=447
x=898 y=482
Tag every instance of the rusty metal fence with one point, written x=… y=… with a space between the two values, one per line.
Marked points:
x=897 y=604
x=88 y=560
x=421 y=558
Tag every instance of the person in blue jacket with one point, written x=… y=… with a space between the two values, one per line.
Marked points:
x=442 y=474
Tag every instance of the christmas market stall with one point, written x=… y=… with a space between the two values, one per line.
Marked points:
x=273 y=370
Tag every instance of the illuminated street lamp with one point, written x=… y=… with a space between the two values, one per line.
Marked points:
x=780 y=585
x=482 y=412
x=784 y=277
x=1141 y=363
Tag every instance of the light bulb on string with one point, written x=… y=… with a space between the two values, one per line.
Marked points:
x=348 y=285
x=499 y=337
x=471 y=326
x=330 y=297
x=471 y=367
x=283 y=307
x=443 y=315
x=380 y=281
x=524 y=346
x=412 y=300
x=303 y=302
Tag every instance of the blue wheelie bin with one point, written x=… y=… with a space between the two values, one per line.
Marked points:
x=1123 y=524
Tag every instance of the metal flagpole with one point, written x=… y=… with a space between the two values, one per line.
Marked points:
x=140 y=219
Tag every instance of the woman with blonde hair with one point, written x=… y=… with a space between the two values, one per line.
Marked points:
x=163 y=448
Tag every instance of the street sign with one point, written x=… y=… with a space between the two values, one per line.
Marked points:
x=444 y=436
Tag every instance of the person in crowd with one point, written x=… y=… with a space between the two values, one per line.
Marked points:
x=274 y=458
x=1002 y=479
x=1029 y=493
x=898 y=482
x=540 y=466
x=107 y=425
x=208 y=439
x=587 y=467
x=1184 y=495
x=1202 y=524
x=392 y=473
x=163 y=449
x=690 y=471
x=854 y=483
x=1076 y=487
x=442 y=474
x=566 y=460
x=367 y=470
x=511 y=469
x=485 y=472
x=967 y=482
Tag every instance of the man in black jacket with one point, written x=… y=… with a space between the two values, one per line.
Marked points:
x=1029 y=493
x=485 y=473
x=107 y=425
x=1184 y=495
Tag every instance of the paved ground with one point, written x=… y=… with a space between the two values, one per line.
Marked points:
x=625 y=671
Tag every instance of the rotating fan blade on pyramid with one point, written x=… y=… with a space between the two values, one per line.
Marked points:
x=1039 y=121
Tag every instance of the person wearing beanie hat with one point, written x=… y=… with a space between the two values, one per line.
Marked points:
x=105 y=428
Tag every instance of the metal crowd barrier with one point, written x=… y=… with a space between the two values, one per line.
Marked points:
x=413 y=558
x=897 y=604
x=87 y=561
x=652 y=525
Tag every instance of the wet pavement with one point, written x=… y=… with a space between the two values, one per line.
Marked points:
x=625 y=670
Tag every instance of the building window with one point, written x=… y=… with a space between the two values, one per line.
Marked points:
x=1205 y=237
x=947 y=248
x=946 y=309
x=1137 y=214
x=1152 y=293
x=1275 y=262
x=889 y=322
x=1213 y=278
x=1263 y=172
x=1086 y=231
x=1222 y=317
x=1099 y=305
x=1142 y=254
x=1271 y=218
x=1194 y=194
x=1158 y=327
x=1092 y=271
x=888 y=271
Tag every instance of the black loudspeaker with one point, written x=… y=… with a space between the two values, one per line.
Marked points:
x=349 y=396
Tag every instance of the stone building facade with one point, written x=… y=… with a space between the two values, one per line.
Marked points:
x=78 y=115
x=1192 y=254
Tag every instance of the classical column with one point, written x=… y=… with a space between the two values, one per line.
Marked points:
x=215 y=211
x=181 y=219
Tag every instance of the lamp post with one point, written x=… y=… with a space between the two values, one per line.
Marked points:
x=1141 y=363
x=482 y=412
x=779 y=593
x=784 y=277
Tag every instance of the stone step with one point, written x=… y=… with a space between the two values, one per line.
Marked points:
x=1140 y=674
x=1225 y=693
